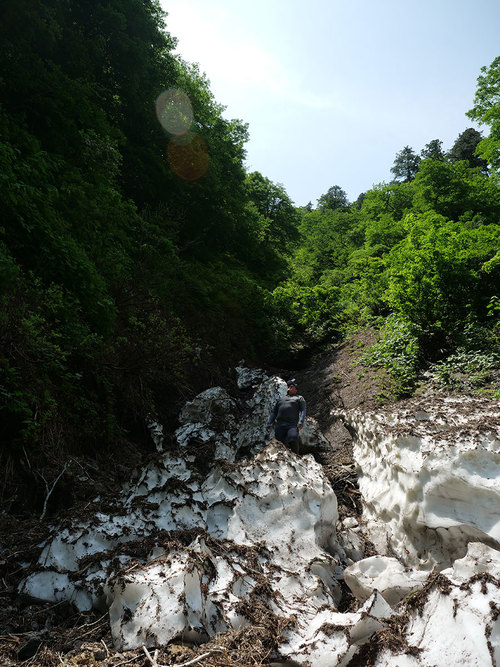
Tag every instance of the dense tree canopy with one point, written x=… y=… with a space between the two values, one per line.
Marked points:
x=126 y=239
x=433 y=150
x=132 y=234
x=424 y=247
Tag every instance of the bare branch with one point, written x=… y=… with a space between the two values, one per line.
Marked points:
x=154 y=663
x=49 y=490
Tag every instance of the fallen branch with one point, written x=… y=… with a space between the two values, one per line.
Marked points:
x=125 y=662
x=105 y=647
x=49 y=491
x=200 y=657
x=154 y=659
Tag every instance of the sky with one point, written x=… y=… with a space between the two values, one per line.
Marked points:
x=333 y=89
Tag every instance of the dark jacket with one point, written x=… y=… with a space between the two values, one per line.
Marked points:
x=288 y=410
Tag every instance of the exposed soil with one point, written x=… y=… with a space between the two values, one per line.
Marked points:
x=48 y=634
x=335 y=381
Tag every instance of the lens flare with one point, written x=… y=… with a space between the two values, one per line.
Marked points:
x=188 y=156
x=174 y=111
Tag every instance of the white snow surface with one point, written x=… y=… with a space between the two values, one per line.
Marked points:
x=190 y=547
x=384 y=574
x=429 y=475
x=459 y=623
x=227 y=523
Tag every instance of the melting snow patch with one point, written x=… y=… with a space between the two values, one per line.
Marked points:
x=455 y=620
x=429 y=475
x=204 y=540
x=386 y=575
x=194 y=545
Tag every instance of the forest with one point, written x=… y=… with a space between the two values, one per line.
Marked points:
x=139 y=260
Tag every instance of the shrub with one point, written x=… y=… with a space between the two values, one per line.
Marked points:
x=398 y=351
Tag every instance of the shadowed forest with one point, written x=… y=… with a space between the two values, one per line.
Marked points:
x=140 y=260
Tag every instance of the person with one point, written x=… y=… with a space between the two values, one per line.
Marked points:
x=288 y=416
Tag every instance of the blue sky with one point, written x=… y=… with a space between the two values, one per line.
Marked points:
x=332 y=90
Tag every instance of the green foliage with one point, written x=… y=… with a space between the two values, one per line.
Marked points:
x=436 y=275
x=383 y=232
x=327 y=239
x=49 y=351
x=468 y=371
x=433 y=150
x=394 y=199
x=486 y=110
x=363 y=291
x=305 y=313
x=457 y=192
x=405 y=164
x=493 y=306
x=398 y=351
x=474 y=365
x=118 y=270
x=223 y=294
x=272 y=227
x=335 y=199
x=465 y=148
x=9 y=271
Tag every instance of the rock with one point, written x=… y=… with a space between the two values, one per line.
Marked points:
x=212 y=418
x=249 y=378
x=211 y=404
x=353 y=544
x=311 y=437
x=251 y=434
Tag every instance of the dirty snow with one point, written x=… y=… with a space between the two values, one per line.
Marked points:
x=225 y=523
x=429 y=475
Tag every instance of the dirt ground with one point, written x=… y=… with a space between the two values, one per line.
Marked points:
x=336 y=381
x=35 y=633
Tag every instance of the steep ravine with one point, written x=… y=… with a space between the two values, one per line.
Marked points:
x=224 y=549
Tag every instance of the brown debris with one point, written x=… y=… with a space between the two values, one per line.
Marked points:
x=417 y=599
x=393 y=637
x=62 y=636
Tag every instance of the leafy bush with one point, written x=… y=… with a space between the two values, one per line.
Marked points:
x=305 y=312
x=398 y=351
x=438 y=274
x=468 y=370
x=475 y=364
x=50 y=386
